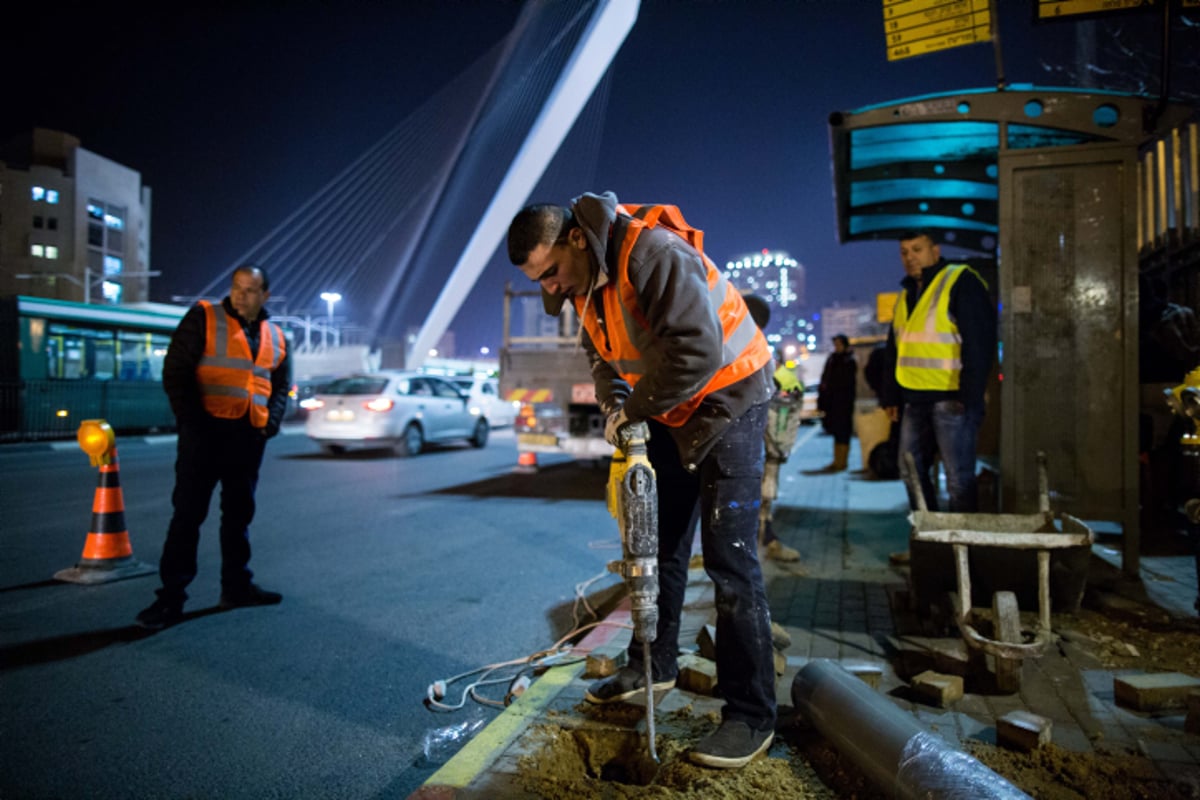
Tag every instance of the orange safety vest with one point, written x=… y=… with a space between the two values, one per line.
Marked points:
x=745 y=349
x=232 y=382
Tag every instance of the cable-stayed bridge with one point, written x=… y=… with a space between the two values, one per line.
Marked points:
x=408 y=227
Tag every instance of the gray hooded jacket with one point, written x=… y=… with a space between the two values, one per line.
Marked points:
x=672 y=290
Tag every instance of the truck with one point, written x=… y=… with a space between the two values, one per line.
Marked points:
x=547 y=374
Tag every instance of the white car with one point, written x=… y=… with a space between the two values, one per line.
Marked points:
x=485 y=395
x=401 y=410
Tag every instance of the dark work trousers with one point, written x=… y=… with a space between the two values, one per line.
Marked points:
x=724 y=496
x=228 y=452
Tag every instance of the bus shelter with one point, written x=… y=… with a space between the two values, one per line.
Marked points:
x=1046 y=186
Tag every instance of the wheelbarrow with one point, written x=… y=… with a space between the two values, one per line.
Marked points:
x=938 y=535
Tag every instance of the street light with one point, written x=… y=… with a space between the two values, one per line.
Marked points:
x=330 y=299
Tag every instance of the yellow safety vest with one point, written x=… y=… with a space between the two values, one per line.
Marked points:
x=928 y=344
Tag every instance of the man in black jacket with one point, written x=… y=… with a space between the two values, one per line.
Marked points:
x=226 y=374
x=943 y=345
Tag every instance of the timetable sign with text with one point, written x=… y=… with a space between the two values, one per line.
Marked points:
x=917 y=27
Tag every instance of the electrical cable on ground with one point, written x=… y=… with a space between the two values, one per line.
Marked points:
x=516 y=680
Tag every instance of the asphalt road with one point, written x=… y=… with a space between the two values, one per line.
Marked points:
x=395 y=573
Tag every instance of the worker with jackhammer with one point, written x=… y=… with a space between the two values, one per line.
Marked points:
x=672 y=347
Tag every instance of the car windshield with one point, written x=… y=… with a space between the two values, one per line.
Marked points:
x=359 y=384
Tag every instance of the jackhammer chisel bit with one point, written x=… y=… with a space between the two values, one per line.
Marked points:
x=633 y=500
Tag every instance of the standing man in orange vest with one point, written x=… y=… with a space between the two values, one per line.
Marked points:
x=671 y=344
x=226 y=374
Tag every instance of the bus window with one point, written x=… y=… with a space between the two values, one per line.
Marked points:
x=140 y=355
x=76 y=353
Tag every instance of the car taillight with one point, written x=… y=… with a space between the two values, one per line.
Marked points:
x=379 y=404
x=311 y=404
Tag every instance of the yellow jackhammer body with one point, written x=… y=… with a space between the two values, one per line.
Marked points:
x=633 y=500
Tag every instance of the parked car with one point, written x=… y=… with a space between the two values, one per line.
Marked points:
x=401 y=410
x=485 y=394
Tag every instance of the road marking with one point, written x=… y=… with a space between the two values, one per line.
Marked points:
x=481 y=752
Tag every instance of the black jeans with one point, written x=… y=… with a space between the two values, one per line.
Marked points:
x=214 y=451
x=724 y=496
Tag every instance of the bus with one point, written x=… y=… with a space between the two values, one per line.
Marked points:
x=63 y=362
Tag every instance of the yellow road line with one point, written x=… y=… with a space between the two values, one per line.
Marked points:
x=479 y=753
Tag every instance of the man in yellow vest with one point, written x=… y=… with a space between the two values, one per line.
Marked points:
x=943 y=341
x=226 y=374
x=671 y=344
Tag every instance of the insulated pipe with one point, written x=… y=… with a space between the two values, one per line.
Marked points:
x=895 y=752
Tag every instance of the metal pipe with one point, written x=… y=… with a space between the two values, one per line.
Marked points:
x=895 y=752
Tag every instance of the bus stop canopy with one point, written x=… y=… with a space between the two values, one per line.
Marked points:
x=930 y=162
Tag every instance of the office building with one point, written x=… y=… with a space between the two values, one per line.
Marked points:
x=73 y=224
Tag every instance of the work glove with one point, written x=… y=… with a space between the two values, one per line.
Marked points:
x=613 y=425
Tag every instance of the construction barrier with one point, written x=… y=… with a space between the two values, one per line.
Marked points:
x=107 y=552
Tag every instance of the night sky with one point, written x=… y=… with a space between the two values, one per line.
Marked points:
x=236 y=113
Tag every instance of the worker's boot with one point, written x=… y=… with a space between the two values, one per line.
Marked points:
x=841 y=457
x=841 y=453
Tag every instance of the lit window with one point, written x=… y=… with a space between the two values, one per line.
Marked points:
x=114 y=222
x=51 y=196
x=112 y=265
x=51 y=251
x=39 y=193
x=112 y=291
x=37 y=250
x=95 y=209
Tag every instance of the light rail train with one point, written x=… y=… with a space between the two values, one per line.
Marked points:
x=63 y=362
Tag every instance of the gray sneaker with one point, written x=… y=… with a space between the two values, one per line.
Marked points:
x=626 y=683
x=730 y=746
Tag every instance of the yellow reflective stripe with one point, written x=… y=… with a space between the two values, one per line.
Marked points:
x=932 y=363
x=926 y=337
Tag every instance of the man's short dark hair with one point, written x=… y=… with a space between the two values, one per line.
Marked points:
x=917 y=233
x=542 y=223
x=843 y=338
x=253 y=269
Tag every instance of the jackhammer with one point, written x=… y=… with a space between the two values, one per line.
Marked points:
x=633 y=500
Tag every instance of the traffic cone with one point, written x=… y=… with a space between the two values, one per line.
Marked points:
x=526 y=462
x=107 y=553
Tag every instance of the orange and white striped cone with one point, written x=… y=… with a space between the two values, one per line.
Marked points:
x=107 y=553
x=526 y=462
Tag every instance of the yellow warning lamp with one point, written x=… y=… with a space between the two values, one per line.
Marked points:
x=97 y=440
